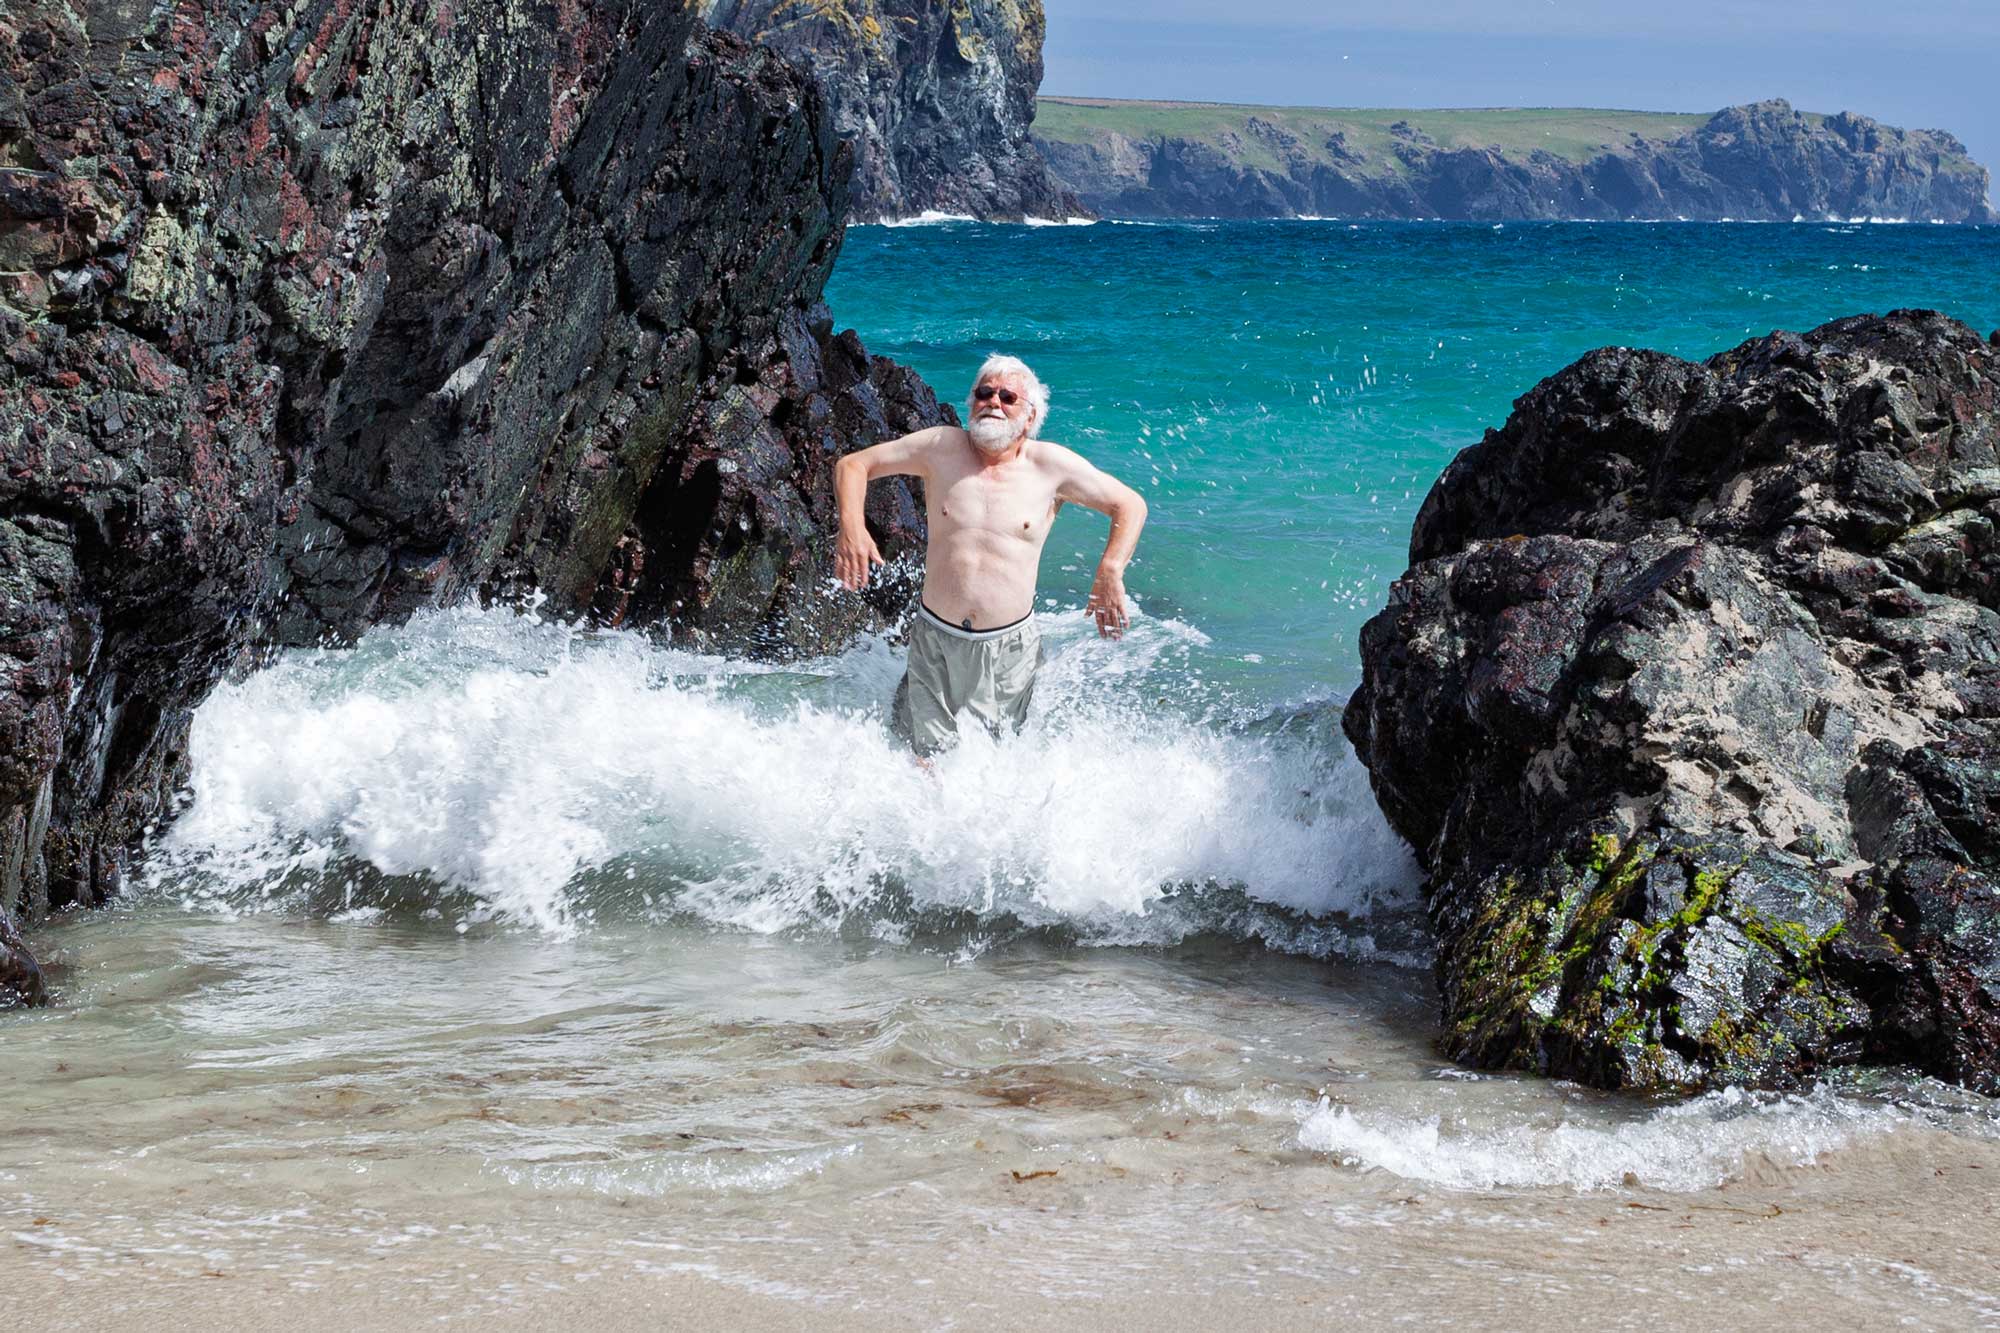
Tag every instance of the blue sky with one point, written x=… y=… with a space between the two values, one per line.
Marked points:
x=1928 y=64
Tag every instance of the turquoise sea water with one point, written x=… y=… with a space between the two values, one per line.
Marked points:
x=1286 y=392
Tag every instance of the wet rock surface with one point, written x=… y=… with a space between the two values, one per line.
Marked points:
x=1763 y=161
x=1690 y=703
x=316 y=316
x=20 y=976
x=936 y=97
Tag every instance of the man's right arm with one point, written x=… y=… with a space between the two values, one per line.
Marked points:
x=855 y=555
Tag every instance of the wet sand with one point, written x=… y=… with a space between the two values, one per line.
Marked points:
x=1878 y=1239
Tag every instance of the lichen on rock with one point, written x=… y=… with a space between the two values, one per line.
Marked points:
x=1690 y=703
x=328 y=313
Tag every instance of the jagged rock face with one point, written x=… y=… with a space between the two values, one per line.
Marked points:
x=1764 y=162
x=1690 y=703
x=319 y=316
x=935 y=95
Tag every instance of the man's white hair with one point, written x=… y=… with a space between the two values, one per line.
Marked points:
x=1038 y=393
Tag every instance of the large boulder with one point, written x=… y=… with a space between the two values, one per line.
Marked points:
x=1690 y=704
x=319 y=314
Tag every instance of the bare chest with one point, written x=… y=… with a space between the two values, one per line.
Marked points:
x=1019 y=507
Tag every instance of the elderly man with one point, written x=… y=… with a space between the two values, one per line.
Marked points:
x=991 y=491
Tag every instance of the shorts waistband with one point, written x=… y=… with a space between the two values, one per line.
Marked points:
x=937 y=621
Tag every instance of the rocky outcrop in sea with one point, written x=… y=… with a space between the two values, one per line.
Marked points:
x=1690 y=704
x=1760 y=162
x=316 y=316
x=935 y=97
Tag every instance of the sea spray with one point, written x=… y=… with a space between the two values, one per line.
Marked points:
x=487 y=765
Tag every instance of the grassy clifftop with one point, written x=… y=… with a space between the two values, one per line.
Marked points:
x=1576 y=134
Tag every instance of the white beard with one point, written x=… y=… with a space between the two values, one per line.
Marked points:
x=994 y=435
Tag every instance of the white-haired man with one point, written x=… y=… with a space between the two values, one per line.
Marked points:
x=991 y=491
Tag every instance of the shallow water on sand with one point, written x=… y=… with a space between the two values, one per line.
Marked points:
x=500 y=971
x=497 y=966
x=498 y=1122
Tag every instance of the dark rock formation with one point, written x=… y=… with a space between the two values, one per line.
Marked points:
x=1690 y=703
x=935 y=95
x=1762 y=162
x=20 y=977
x=319 y=315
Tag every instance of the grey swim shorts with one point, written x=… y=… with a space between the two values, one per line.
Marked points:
x=987 y=673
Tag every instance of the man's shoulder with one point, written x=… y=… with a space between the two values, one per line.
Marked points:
x=923 y=443
x=1060 y=458
x=939 y=437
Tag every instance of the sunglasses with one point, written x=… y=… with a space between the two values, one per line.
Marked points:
x=986 y=393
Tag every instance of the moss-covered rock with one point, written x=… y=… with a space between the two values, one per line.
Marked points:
x=1706 y=784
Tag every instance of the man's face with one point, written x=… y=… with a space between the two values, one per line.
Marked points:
x=997 y=422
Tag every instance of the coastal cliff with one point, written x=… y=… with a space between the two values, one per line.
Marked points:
x=936 y=97
x=1690 y=705
x=1761 y=162
x=314 y=317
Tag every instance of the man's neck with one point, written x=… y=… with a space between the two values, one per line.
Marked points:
x=1005 y=456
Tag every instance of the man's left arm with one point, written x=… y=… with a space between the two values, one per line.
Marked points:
x=1086 y=485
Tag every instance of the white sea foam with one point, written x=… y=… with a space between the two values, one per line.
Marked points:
x=1060 y=222
x=1691 y=1145
x=504 y=767
x=930 y=217
x=674 y=1175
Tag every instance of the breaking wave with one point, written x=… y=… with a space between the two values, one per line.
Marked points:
x=479 y=765
x=1677 y=1146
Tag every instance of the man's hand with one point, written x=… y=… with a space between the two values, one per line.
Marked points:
x=855 y=557
x=1107 y=603
x=1085 y=485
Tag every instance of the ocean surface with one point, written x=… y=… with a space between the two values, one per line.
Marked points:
x=498 y=963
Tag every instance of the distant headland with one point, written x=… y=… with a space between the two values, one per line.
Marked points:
x=1764 y=161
